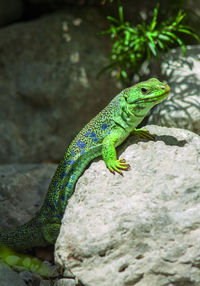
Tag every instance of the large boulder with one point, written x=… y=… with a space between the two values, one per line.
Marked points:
x=48 y=82
x=140 y=229
x=182 y=107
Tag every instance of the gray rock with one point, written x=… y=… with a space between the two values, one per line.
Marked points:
x=45 y=283
x=22 y=190
x=140 y=229
x=32 y=279
x=48 y=83
x=182 y=107
x=8 y=277
x=10 y=11
x=66 y=282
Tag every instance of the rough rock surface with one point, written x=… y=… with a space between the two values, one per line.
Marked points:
x=66 y=282
x=182 y=107
x=8 y=277
x=143 y=228
x=22 y=190
x=48 y=82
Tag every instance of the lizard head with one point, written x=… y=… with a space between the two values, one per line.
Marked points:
x=141 y=97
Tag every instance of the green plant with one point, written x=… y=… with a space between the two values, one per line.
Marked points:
x=131 y=45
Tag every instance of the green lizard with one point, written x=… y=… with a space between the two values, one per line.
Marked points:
x=100 y=136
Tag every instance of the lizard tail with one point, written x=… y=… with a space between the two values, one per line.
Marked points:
x=23 y=237
x=23 y=261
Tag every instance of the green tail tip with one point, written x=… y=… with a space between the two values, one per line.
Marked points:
x=24 y=262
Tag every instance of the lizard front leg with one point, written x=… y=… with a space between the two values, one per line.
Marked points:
x=143 y=133
x=109 y=152
x=50 y=232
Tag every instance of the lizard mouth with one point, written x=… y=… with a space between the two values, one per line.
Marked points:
x=155 y=98
x=162 y=96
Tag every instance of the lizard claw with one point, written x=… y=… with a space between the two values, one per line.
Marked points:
x=117 y=166
x=143 y=133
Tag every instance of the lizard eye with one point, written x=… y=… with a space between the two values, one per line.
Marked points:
x=125 y=97
x=143 y=90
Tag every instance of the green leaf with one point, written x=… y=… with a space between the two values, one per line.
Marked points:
x=154 y=34
x=134 y=42
x=161 y=45
x=121 y=14
x=164 y=38
x=183 y=48
x=189 y=33
x=179 y=18
x=152 y=48
x=152 y=45
x=132 y=56
x=181 y=43
x=124 y=74
x=132 y=30
x=127 y=37
x=170 y=34
x=155 y=15
x=178 y=40
x=188 y=27
x=112 y=19
x=181 y=15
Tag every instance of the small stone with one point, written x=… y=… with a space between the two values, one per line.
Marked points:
x=74 y=58
x=65 y=26
x=67 y=37
x=77 y=22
